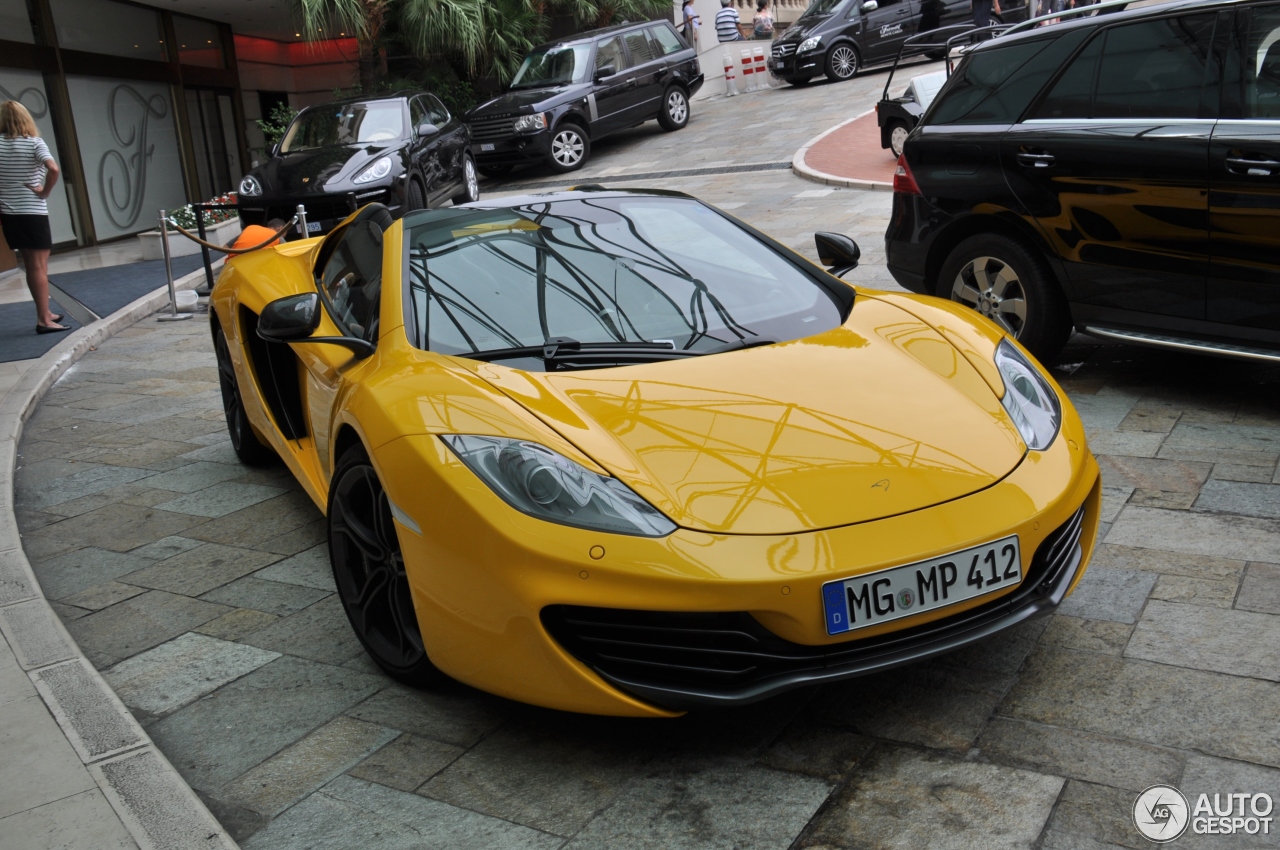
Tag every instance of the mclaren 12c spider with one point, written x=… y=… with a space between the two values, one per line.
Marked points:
x=618 y=452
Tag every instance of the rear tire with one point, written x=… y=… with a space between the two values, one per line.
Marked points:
x=570 y=148
x=898 y=133
x=244 y=440
x=675 y=109
x=368 y=568
x=1008 y=283
x=842 y=62
x=470 y=183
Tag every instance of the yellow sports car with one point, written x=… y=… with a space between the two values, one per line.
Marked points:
x=618 y=452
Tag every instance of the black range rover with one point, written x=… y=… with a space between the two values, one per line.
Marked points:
x=403 y=150
x=572 y=92
x=838 y=37
x=1118 y=173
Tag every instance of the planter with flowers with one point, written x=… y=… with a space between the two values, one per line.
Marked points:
x=221 y=227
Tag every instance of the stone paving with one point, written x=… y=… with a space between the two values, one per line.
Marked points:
x=201 y=589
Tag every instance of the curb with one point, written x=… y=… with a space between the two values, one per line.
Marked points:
x=153 y=802
x=802 y=169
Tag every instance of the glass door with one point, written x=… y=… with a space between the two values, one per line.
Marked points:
x=213 y=137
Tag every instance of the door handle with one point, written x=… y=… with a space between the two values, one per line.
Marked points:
x=1036 y=160
x=1252 y=167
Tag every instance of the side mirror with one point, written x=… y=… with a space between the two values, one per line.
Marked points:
x=605 y=71
x=275 y=151
x=837 y=252
x=295 y=318
x=870 y=6
x=426 y=128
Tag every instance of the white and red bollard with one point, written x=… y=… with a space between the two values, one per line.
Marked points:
x=761 y=70
x=748 y=72
x=730 y=84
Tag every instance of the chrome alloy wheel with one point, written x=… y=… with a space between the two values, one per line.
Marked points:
x=844 y=62
x=677 y=107
x=369 y=570
x=472 y=181
x=991 y=286
x=567 y=147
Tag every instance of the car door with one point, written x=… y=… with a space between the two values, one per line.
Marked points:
x=351 y=286
x=886 y=27
x=447 y=150
x=425 y=146
x=1244 y=178
x=649 y=71
x=1112 y=165
x=609 y=98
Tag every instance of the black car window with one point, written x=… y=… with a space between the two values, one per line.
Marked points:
x=1072 y=95
x=970 y=95
x=609 y=269
x=1154 y=69
x=640 y=48
x=436 y=113
x=1257 y=76
x=668 y=40
x=818 y=8
x=609 y=51
x=417 y=113
x=352 y=278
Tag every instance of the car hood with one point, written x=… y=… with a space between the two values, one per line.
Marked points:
x=878 y=417
x=525 y=101
x=313 y=171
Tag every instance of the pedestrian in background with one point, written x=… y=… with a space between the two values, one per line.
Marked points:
x=727 y=21
x=982 y=12
x=691 y=24
x=762 y=24
x=27 y=177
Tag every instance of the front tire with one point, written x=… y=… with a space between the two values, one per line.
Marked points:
x=1006 y=282
x=675 y=109
x=368 y=568
x=417 y=198
x=470 y=183
x=244 y=440
x=570 y=148
x=842 y=62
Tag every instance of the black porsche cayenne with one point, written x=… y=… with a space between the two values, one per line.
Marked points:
x=403 y=150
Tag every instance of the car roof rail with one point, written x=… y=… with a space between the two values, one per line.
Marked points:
x=1110 y=7
x=925 y=42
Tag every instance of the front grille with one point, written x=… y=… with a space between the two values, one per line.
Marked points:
x=781 y=50
x=492 y=128
x=684 y=660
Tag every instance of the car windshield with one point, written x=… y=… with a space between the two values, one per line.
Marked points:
x=345 y=124
x=818 y=8
x=557 y=66
x=632 y=273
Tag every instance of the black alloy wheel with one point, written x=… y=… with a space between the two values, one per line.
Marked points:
x=842 y=62
x=244 y=440
x=417 y=198
x=570 y=148
x=470 y=183
x=1006 y=282
x=675 y=109
x=368 y=568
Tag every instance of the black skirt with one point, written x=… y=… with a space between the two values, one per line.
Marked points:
x=26 y=232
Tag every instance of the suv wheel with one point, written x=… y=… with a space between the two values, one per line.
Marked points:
x=675 y=109
x=417 y=198
x=842 y=62
x=569 y=148
x=1006 y=282
x=470 y=183
x=898 y=133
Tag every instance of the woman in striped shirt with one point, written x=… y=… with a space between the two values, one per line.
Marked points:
x=27 y=177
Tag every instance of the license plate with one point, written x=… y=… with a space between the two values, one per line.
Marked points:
x=313 y=227
x=879 y=597
x=487 y=146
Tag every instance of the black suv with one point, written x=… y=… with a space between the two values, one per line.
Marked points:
x=1117 y=172
x=568 y=94
x=404 y=150
x=837 y=37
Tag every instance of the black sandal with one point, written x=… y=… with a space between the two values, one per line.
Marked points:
x=46 y=329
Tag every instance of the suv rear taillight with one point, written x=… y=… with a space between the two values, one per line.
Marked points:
x=903 y=180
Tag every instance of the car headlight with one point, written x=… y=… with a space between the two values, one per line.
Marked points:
x=810 y=43
x=531 y=123
x=379 y=169
x=547 y=485
x=1030 y=401
x=249 y=186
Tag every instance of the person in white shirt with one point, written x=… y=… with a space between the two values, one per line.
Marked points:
x=727 y=22
x=27 y=177
x=691 y=24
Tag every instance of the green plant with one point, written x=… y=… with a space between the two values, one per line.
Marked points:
x=185 y=217
x=275 y=124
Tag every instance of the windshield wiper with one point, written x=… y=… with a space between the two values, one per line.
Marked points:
x=564 y=350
